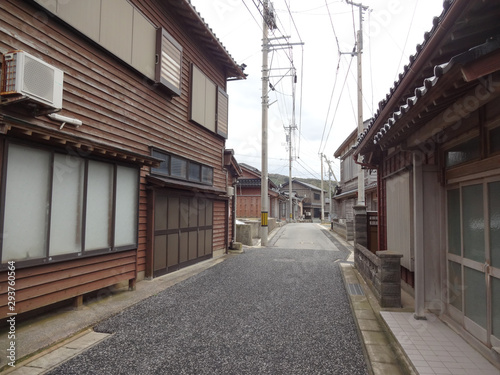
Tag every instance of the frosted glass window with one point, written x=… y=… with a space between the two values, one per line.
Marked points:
x=473 y=222
x=99 y=205
x=194 y=172
x=164 y=167
x=179 y=167
x=463 y=153
x=127 y=185
x=475 y=296
x=27 y=206
x=494 y=207
x=454 y=222
x=207 y=175
x=67 y=205
x=495 y=294
x=455 y=284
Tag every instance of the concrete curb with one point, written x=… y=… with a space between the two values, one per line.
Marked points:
x=381 y=350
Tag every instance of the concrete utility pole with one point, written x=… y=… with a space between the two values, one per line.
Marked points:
x=359 y=50
x=267 y=22
x=322 y=195
x=290 y=199
x=330 y=174
x=290 y=134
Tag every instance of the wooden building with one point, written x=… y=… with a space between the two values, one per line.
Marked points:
x=113 y=122
x=311 y=198
x=248 y=192
x=435 y=142
x=346 y=193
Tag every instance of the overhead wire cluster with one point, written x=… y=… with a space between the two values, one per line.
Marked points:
x=283 y=71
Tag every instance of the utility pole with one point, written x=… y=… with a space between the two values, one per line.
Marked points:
x=268 y=22
x=359 y=50
x=290 y=138
x=331 y=173
x=290 y=198
x=322 y=195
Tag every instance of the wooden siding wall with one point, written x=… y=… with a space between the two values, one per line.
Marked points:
x=118 y=107
x=43 y=285
x=248 y=202
x=220 y=222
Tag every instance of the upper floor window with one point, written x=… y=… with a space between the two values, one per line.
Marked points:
x=209 y=103
x=183 y=169
x=347 y=169
x=169 y=62
x=464 y=152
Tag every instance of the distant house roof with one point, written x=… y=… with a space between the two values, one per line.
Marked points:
x=250 y=170
x=305 y=184
x=231 y=164
x=251 y=177
x=462 y=25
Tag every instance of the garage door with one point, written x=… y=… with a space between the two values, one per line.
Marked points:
x=183 y=231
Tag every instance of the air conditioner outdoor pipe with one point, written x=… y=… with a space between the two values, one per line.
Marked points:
x=64 y=120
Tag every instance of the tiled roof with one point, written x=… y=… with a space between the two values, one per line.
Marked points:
x=468 y=24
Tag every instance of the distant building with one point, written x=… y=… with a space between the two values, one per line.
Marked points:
x=346 y=193
x=248 y=191
x=311 y=198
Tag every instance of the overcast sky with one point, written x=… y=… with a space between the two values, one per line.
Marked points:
x=391 y=31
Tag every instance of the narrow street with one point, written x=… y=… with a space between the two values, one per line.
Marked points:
x=276 y=310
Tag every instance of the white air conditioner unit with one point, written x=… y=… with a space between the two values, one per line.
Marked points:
x=34 y=79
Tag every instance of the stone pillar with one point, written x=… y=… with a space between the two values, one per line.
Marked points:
x=390 y=278
x=360 y=226
x=349 y=228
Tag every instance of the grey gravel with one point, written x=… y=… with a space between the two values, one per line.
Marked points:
x=267 y=311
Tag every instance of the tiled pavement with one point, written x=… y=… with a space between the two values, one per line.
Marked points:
x=434 y=348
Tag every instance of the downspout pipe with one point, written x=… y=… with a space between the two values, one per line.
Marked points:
x=235 y=186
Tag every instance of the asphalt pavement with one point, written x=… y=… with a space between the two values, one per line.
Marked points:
x=272 y=310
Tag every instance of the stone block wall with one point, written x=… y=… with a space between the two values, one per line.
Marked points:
x=382 y=273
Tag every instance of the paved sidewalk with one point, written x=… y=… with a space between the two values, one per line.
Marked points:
x=396 y=343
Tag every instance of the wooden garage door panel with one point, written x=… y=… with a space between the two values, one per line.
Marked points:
x=193 y=245
x=201 y=243
x=208 y=241
x=160 y=255
x=173 y=212
x=183 y=231
x=161 y=212
x=183 y=248
x=173 y=249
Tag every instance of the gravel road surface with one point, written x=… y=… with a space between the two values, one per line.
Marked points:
x=268 y=311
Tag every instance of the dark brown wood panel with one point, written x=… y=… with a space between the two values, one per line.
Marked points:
x=219 y=225
x=43 y=285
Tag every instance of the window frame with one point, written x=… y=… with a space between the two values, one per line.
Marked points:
x=170 y=156
x=47 y=258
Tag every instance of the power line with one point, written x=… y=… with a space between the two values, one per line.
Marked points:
x=313 y=174
x=406 y=40
x=337 y=107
